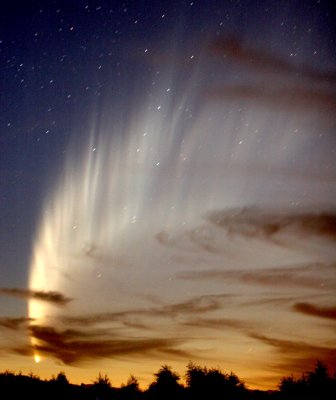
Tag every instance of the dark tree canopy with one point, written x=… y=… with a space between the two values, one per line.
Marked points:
x=199 y=383
x=212 y=383
x=166 y=385
x=317 y=384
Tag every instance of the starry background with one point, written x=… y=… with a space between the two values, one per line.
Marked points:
x=189 y=144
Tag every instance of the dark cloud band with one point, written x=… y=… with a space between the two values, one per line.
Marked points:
x=74 y=347
x=316 y=311
x=49 y=297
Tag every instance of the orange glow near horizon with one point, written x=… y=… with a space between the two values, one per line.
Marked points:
x=120 y=372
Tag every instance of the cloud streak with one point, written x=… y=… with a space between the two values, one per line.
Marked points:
x=233 y=49
x=73 y=347
x=315 y=311
x=285 y=276
x=218 y=323
x=256 y=223
x=281 y=227
x=196 y=305
x=310 y=95
x=293 y=98
x=296 y=355
x=15 y=323
x=52 y=297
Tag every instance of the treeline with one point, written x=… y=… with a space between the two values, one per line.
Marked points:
x=200 y=383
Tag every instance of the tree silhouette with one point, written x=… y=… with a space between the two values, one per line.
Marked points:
x=61 y=379
x=292 y=388
x=203 y=383
x=102 y=380
x=196 y=381
x=59 y=387
x=320 y=383
x=317 y=384
x=130 y=391
x=166 y=385
x=102 y=388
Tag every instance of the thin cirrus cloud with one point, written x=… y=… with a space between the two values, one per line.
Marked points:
x=55 y=298
x=315 y=311
x=307 y=276
x=233 y=49
x=195 y=305
x=218 y=323
x=295 y=98
x=73 y=347
x=15 y=323
x=279 y=300
x=279 y=226
x=309 y=95
x=296 y=355
x=254 y=222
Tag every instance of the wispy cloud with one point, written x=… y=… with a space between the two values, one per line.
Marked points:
x=88 y=341
x=218 y=323
x=285 y=98
x=256 y=223
x=280 y=84
x=74 y=347
x=49 y=297
x=281 y=227
x=270 y=299
x=260 y=60
x=316 y=311
x=202 y=238
x=195 y=305
x=15 y=323
x=296 y=355
x=307 y=275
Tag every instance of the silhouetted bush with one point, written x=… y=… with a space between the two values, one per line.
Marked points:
x=212 y=384
x=317 y=384
x=102 y=388
x=130 y=391
x=165 y=386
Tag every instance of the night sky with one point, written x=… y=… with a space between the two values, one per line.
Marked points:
x=167 y=187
